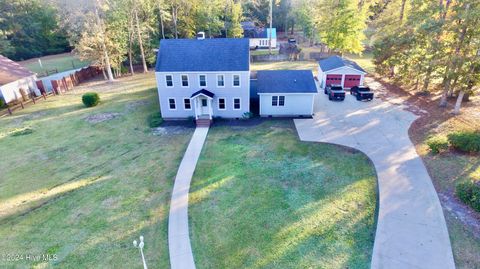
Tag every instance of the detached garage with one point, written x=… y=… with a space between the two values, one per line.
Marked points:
x=286 y=93
x=340 y=71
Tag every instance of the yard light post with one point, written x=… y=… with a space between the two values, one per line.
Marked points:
x=140 y=246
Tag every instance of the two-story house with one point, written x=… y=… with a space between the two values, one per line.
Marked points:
x=203 y=78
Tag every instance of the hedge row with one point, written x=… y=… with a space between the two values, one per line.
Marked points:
x=469 y=193
x=463 y=141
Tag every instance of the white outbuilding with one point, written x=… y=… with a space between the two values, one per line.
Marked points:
x=339 y=71
x=286 y=93
x=14 y=77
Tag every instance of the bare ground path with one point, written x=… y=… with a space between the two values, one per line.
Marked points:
x=411 y=229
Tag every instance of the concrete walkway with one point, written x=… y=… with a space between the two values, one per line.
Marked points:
x=179 y=247
x=411 y=230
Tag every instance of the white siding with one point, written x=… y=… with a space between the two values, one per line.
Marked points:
x=322 y=76
x=295 y=105
x=228 y=92
x=11 y=91
x=256 y=42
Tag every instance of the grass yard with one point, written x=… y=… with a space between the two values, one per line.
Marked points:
x=61 y=62
x=84 y=191
x=294 y=65
x=365 y=61
x=260 y=198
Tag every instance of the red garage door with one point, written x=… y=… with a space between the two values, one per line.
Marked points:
x=351 y=80
x=333 y=79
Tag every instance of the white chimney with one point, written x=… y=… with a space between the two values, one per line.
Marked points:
x=201 y=36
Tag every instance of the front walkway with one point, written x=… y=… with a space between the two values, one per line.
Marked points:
x=411 y=229
x=179 y=247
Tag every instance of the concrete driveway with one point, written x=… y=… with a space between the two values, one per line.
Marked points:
x=411 y=229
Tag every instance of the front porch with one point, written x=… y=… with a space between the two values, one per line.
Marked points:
x=203 y=108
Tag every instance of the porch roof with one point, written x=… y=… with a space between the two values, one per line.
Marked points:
x=204 y=92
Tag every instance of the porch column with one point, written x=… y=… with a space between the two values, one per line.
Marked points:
x=210 y=110
x=195 y=104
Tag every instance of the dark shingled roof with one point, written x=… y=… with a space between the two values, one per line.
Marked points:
x=285 y=81
x=217 y=54
x=334 y=62
x=11 y=71
x=204 y=92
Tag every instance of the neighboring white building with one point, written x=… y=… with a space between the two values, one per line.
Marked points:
x=14 y=77
x=203 y=78
x=286 y=92
x=259 y=37
x=340 y=71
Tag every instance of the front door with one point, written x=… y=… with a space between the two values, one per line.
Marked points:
x=204 y=106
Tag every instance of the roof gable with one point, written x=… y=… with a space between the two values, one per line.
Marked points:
x=285 y=81
x=216 y=54
x=335 y=62
x=11 y=71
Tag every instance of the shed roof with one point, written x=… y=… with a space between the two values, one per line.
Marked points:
x=334 y=62
x=216 y=54
x=285 y=81
x=11 y=71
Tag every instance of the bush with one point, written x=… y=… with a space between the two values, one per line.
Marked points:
x=2 y=102
x=437 y=144
x=465 y=141
x=469 y=193
x=155 y=120
x=247 y=115
x=22 y=131
x=90 y=99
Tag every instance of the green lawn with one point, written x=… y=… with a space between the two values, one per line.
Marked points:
x=295 y=65
x=61 y=62
x=260 y=198
x=365 y=61
x=84 y=191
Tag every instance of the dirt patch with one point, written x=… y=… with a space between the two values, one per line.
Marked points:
x=461 y=212
x=97 y=118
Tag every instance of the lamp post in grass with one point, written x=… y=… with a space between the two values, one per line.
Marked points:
x=140 y=246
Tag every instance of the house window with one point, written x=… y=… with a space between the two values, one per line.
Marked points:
x=185 y=80
x=220 y=81
x=169 y=80
x=236 y=103
x=274 y=100
x=278 y=100
x=221 y=103
x=186 y=104
x=171 y=104
x=236 y=80
x=203 y=80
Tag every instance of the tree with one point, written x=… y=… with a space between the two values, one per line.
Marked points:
x=343 y=29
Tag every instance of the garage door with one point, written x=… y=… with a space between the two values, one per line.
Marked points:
x=351 y=81
x=333 y=79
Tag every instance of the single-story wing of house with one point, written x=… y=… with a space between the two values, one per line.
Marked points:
x=286 y=92
x=339 y=71
x=14 y=77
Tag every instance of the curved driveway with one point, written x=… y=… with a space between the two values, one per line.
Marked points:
x=411 y=229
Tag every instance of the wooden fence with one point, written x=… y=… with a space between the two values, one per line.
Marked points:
x=59 y=87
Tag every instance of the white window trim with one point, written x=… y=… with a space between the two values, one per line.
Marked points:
x=175 y=102
x=206 y=83
x=181 y=81
x=185 y=98
x=239 y=81
x=223 y=81
x=278 y=100
x=166 y=85
x=225 y=103
x=233 y=103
